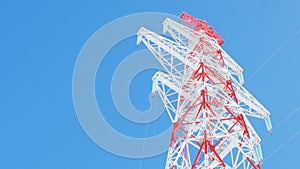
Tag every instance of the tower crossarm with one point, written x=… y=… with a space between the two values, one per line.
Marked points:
x=171 y=82
x=250 y=105
x=190 y=38
x=171 y=55
x=168 y=87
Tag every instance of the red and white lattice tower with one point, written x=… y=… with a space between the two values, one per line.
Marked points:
x=206 y=103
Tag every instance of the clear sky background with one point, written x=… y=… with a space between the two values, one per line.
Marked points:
x=41 y=40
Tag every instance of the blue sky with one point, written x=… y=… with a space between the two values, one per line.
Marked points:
x=40 y=42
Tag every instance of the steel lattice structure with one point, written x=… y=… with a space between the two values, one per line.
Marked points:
x=206 y=103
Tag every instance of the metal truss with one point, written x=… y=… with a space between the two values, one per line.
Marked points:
x=206 y=103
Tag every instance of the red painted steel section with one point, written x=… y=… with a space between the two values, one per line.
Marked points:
x=201 y=25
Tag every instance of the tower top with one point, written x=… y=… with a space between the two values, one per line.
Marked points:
x=198 y=25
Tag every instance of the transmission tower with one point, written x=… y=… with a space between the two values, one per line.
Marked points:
x=202 y=90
